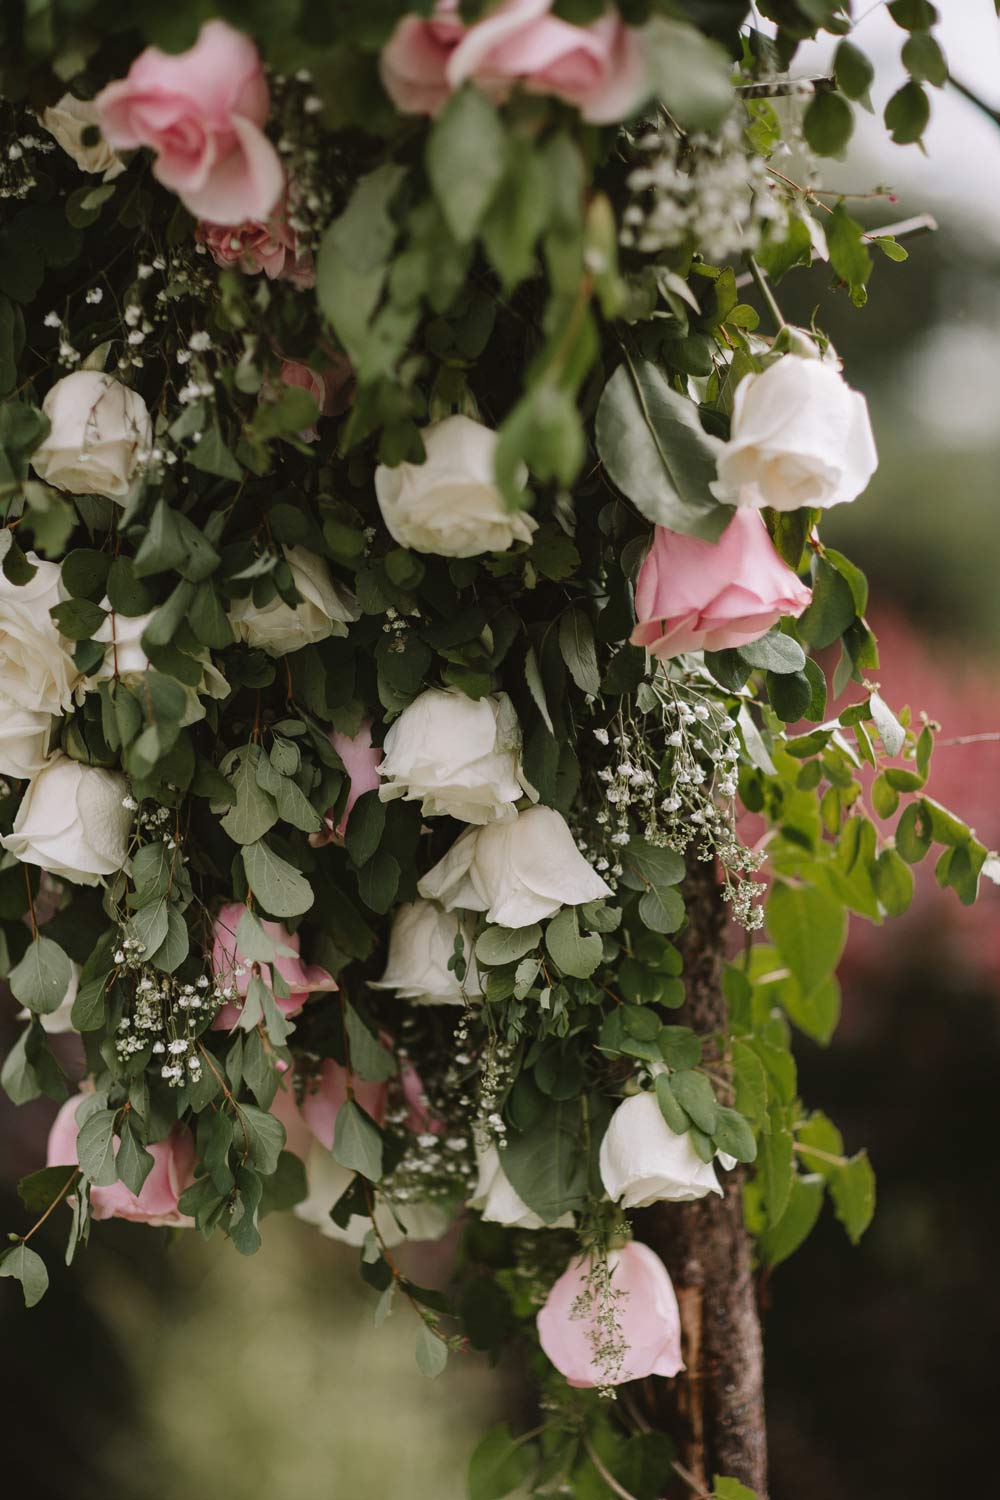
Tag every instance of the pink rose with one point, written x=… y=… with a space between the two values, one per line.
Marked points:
x=361 y=762
x=707 y=596
x=598 y=68
x=227 y=959
x=252 y=247
x=201 y=112
x=314 y=1116
x=648 y=1321
x=156 y=1203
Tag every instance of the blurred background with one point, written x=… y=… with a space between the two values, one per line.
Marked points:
x=176 y=1371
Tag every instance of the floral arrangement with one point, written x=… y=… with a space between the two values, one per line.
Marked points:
x=411 y=595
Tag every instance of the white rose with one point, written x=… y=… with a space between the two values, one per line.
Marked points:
x=125 y=659
x=326 y=609
x=66 y=121
x=100 y=437
x=497 y=1201
x=421 y=942
x=457 y=757
x=37 y=671
x=800 y=437
x=328 y=1181
x=59 y=1020
x=450 y=504
x=71 y=821
x=517 y=873
x=24 y=740
x=643 y=1161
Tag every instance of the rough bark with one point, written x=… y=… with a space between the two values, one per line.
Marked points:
x=715 y=1410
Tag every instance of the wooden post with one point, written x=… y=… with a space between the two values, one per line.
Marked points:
x=715 y=1410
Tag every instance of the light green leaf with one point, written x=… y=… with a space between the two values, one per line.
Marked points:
x=278 y=886
x=575 y=954
x=777 y=1160
x=95 y=1148
x=576 y=642
x=545 y=1165
x=809 y=929
x=655 y=450
x=265 y=1136
x=43 y=976
x=357 y=1141
x=499 y=1465
x=369 y=1059
x=254 y=812
x=852 y=1188
x=27 y=1267
x=797 y=1222
x=502 y=945
x=432 y=1352
x=688 y=72
x=466 y=160
x=133 y=1162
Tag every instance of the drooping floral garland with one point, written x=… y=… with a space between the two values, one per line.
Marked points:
x=404 y=585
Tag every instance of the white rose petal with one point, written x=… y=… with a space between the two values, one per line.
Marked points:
x=100 y=436
x=326 y=609
x=457 y=757
x=24 y=740
x=450 y=504
x=421 y=942
x=71 y=822
x=59 y=1020
x=642 y=1160
x=37 y=671
x=518 y=873
x=328 y=1181
x=66 y=120
x=800 y=437
x=497 y=1201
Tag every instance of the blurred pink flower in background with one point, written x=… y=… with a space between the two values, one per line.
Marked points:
x=254 y=245
x=157 y=1200
x=231 y=968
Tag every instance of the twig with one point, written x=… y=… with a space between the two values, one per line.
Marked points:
x=974 y=98
x=756 y=275
x=57 y=1199
x=905 y=229
x=987 y=737
x=691 y=1481
x=606 y=1475
x=782 y=88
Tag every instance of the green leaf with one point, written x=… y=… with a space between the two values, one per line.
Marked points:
x=808 y=928
x=651 y=865
x=499 y=1465
x=466 y=160
x=661 y=909
x=503 y=945
x=41 y=1189
x=265 y=1136
x=852 y=1188
x=687 y=71
x=365 y=828
x=924 y=60
x=40 y=981
x=733 y=1135
x=907 y=114
x=536 y=687
x=797 y=1222
x=133 y=1162
x=278 y=886
x=576 y=955
x=693 y=1093
x=828 y=123
x=777 y=1161
x=655 y=450
x=545 y=1165
x=254 y=812
x=891 y=731
x=432 y=1352
x=893 y=880
x=774 y=652
x=832 y=608
x=576 y=642
x=27 y=1267
x=731 y=1489
x=848 y=253
x=357 y=1141
x=95 y=1148
x=853 y=70
x=369 y=1059
x=671 y=1111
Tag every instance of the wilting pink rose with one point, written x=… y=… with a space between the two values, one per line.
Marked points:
x=599 y=68
x=156 y=1203
x=708 y=596
x=227 y=959
x=253 y=246
x=201 y=111
x=646 y=1314
x=361 y=762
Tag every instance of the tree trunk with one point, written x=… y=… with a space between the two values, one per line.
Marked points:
x=715 y=1410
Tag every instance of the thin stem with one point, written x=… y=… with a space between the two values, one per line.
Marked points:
x=974 y=98
x=761 y=283
x=828 y=1156
x=31 y=905
x=691 y=1481
x=606 y=1475
x=782 y=88
x=987 y=737
x=57 y=1199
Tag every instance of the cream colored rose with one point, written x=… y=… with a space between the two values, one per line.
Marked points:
x=66 y=121
x=124 y=658
x=450 y=504
x=326 y=609
x=100 y=436
x=72 y=822
x=457 y=757
x=328 y=1181
x=800 y=437
x=37 y=672
x=517 y=873
x=24 y=740
x=421 y=943
x=643 y=1161
x=496 y=1200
